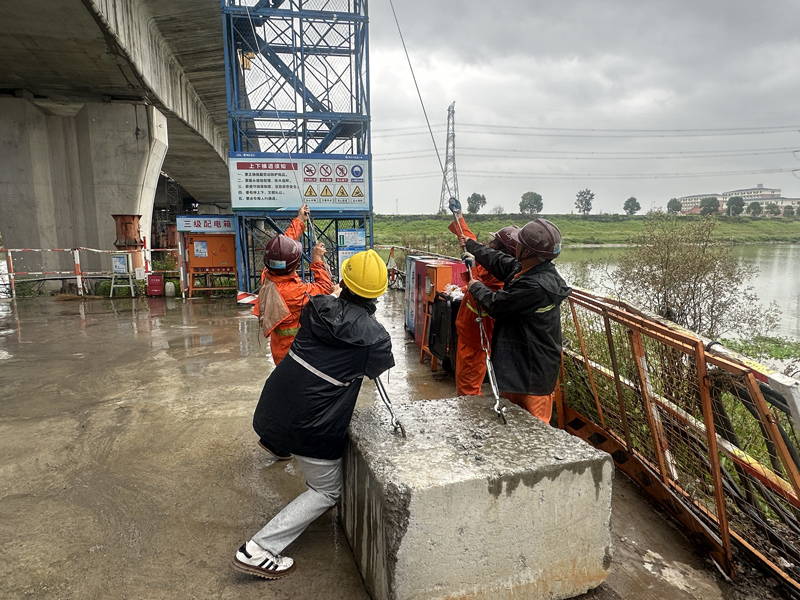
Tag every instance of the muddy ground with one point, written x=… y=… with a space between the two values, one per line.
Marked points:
x=128 y=467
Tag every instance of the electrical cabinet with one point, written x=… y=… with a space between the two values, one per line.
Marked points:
x=210 y=256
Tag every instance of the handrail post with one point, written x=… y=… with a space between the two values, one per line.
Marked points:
x=620 y=396
x=704 y=386
x=771 y=427
x=589 y=371
x=665 y=461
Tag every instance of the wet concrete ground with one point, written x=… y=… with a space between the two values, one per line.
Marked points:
x=129 y=469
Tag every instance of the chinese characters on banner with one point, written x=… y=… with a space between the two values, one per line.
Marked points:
x=206 y=223
x=337 y=182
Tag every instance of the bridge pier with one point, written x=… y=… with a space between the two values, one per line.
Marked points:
x=65 y=168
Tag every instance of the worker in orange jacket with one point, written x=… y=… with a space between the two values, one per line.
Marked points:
x=282 y=255
x=470 y=356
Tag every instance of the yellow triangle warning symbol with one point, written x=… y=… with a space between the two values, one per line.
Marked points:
x=326 y=191
x=342 y=193
x=357 y=193
x=310 y=191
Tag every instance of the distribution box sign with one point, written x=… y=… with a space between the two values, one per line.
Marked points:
x=355 y=238
x=350 y=242
x=283 y=181
x=206 y=223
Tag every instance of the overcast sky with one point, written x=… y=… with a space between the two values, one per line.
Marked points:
x=626 y=98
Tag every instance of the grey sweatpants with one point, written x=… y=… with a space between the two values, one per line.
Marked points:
x=324 y=481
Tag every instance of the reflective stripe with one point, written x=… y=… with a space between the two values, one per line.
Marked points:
x=287 y=331
x=544 y=309
x=317 y=372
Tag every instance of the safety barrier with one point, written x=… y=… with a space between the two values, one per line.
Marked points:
x=81 y=276
x=712 y=437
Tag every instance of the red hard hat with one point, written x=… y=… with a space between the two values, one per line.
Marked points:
x=541 y=237
x=505 y=238
x=282 y=254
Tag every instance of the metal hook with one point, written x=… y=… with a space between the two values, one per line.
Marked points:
x=398 y=426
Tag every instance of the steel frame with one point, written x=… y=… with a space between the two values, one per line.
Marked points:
x=297 y=77
x=255 y=226
x=658 y=471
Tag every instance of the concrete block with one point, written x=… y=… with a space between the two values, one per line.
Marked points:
x=467 y=507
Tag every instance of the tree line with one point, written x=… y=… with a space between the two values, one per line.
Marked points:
x=531 y=203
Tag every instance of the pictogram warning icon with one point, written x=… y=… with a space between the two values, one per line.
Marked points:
x=326 y=191
x=310 y=191
x=357 y=193
x=341 y=192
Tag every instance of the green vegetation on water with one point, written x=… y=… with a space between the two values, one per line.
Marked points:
x=429 y=232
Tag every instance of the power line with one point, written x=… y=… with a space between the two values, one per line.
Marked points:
x=544 y=175
x=563 y=132
x=577 y=155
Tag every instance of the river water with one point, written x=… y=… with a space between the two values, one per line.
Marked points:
x=775 y=268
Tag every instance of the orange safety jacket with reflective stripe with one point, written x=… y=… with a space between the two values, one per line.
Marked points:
x=293 y=290
x=466 y=326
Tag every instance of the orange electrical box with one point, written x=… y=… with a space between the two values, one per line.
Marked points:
x=210 y=255
x=212 y=251
x=437 y=275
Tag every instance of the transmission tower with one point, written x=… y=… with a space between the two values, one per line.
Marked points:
x=449 y=180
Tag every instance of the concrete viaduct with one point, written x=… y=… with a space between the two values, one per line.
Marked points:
x=97 y=98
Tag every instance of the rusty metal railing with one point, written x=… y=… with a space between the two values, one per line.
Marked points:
x=712 y=438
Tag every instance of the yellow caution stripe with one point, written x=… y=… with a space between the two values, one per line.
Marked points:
x=288 y=331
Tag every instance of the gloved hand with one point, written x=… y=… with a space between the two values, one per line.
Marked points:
x=455 y=205
x=468 y=259
x=318 y=252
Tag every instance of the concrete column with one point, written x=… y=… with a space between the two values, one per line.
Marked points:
x=63 y=175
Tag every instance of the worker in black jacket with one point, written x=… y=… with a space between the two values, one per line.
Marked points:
x=307 y=403
x=526 y=344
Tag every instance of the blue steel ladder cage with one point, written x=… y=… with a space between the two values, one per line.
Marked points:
x=298 y=92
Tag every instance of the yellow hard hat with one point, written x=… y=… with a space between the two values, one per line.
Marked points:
x=365 y=274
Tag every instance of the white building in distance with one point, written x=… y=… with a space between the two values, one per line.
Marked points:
x=758 y=194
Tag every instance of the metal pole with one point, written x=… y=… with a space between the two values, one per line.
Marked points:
x=11 y=274
x=78 y=276
x=181 y=265
x=715 y=473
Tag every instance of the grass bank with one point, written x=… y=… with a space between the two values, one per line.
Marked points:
x=429 y=232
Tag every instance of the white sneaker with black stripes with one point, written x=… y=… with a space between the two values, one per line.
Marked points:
x=254 y=560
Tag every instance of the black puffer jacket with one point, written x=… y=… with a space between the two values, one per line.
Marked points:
x=526 y=343
x=307 y=402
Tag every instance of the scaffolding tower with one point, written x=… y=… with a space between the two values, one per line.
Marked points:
x=298 y=98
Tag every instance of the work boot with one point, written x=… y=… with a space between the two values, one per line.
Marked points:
x=276 y=453
x=254 y=560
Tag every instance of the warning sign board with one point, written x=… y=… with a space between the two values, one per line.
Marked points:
x=262 y=180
